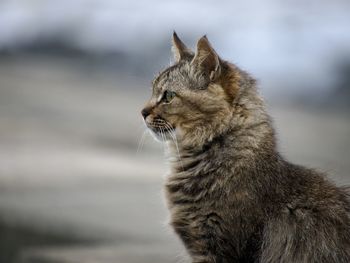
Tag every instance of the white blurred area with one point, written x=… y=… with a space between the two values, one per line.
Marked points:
x=288 y=45
x=74 y=75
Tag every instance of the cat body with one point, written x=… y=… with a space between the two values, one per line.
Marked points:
x=231 y=196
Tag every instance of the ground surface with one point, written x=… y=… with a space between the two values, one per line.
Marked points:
x=74 y=188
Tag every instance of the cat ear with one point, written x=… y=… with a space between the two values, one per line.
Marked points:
x=179 y=49
x=206 y=59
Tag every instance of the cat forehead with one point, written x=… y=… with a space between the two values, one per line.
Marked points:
x=178 y=73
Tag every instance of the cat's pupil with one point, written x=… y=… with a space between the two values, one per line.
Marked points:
x=168 y=96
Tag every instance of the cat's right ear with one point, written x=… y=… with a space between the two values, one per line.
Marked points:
x=206 y=59
x=179 y=49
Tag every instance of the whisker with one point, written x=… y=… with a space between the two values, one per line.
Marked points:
x=173 y=136
x=162 y=133
x=164 y=139
x=163 y=127
x=141 y=142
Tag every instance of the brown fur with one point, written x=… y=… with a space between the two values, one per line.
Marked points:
x=231 y=195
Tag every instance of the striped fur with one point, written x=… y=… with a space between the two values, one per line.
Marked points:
x=231 y=195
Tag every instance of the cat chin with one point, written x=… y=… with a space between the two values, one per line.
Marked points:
x=160 y=137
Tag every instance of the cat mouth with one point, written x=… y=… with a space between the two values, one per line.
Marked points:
x=161 y=128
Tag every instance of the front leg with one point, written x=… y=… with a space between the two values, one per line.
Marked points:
x=204 y=238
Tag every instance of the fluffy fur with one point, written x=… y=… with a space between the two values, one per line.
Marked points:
x=231 y=195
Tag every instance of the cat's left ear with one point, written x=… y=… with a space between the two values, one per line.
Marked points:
x=206 y=59
x=179 y=49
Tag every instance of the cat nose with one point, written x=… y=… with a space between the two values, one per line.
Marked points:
x=145 y=112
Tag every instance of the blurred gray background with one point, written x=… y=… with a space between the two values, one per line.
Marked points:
x=80 y=181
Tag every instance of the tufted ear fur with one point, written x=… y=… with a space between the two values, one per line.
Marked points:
x=179 y=49
x=206 y=59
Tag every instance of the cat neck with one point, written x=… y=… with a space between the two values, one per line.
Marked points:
x=238 y=146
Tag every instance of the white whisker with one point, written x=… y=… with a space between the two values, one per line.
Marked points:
x=141 y=142
x=163 y=137
x=173 y=136
x=165 y=127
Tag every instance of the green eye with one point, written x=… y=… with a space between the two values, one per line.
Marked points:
x=168 y=96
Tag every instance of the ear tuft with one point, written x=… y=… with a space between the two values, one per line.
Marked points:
x=206 y=59
x=179 y=49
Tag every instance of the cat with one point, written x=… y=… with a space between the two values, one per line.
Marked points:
x=232 y=197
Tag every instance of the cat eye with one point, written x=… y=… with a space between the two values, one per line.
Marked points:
x=168 y=96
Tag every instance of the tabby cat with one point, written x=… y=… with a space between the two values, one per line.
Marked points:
x=231 y=195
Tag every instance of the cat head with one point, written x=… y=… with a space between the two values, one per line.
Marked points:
x=192 y=99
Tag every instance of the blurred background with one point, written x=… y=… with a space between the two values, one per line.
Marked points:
x=80 y=181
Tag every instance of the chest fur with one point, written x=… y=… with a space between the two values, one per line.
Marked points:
x=207 y=212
